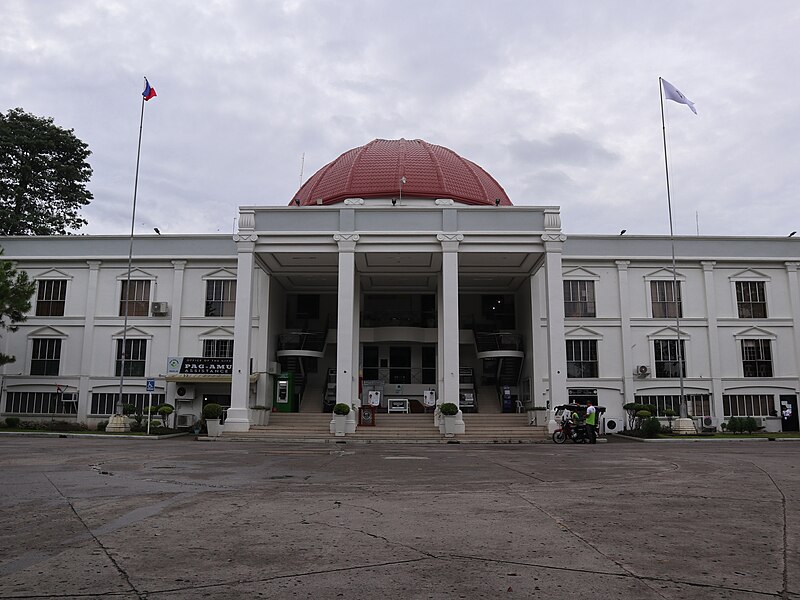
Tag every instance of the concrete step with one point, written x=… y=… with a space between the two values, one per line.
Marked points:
x=396 y=428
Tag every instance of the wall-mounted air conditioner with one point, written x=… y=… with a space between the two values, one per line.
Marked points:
x=613 y=424
x=707 y=423
x=69 y=397
x=184 y=392
x=641 y=371
x=159 y=309
x=185 y=420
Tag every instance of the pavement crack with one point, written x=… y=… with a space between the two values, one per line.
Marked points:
x=785 y=590
x=105 y=550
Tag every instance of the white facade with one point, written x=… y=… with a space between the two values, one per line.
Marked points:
x=403 y=295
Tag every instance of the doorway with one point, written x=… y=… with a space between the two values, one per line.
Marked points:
x=789 y=420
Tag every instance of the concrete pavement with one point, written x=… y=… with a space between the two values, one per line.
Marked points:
x=176 y=518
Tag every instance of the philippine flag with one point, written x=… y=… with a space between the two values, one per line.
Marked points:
x=149 y=92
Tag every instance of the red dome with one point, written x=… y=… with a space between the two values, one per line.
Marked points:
x=374 y=171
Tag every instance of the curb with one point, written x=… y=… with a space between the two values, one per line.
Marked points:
x=67 y=434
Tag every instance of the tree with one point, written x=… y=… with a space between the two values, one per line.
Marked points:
x=16 y=291
x=43 y=176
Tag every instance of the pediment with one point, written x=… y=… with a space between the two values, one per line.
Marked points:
x=53 y=274
x=582 y=332
x=668 y=333
x=664 y=273
x=223 y=273
x=136 y=274
x=754 y=332
x=217 y=332
x=47 y=331
x=580 y=273
x=133 y=332
x=749 y=274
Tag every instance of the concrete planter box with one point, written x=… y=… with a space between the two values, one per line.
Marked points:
x=215 y=428
x=339 y=425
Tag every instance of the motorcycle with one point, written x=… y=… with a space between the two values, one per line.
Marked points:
x=579 y=434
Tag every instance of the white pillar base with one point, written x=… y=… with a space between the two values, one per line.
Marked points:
x=683 y=427
x=237 y=420
x=118 y=424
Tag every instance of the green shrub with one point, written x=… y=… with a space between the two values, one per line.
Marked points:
x=135 y=427
x=128 y=409
x=165 y=410
x=735 y=425
x=341 y=409
x=651 y=427
x=101 y=426
x=749 y=424
x=12 y=422
x=449 y=409
x=212 y=411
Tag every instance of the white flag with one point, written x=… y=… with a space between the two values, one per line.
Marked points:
x=674 y=94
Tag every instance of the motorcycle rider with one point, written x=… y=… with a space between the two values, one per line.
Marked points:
x=591 y=422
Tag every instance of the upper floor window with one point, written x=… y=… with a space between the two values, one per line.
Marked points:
x=581 y=358
x=670 y=362
x=218 y=348
x=666 y=299
x=579 y=298
x=756 y=358
x=220 y=297
x=751 y=299
x=50 y=297
x=135 y=298
x=135 y=358
x=46 y=356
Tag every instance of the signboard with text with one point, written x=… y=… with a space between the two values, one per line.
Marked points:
x=199 y=365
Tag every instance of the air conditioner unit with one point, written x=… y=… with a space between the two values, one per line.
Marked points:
x=274 y=368
x=704 y=423
x=69 y=397
x=642 y=371
x=160 y=309
x=184 y=392
x=185 y=420
x=613 y=424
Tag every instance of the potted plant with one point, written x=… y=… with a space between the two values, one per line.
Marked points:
x=211 y=414
x=449 y=411
x=259 y=414
x=340 y=412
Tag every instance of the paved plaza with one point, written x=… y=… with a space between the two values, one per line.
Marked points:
x=178 y=518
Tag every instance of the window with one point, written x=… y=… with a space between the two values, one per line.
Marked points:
x=46 y=356
x=370 y=364
x=135 y=297
x=218 y=348
x=221 y=298
x=666 y=299
x=581 y=358
x=135 y=358
x=429 y=364
x=399 y=364
x=697 y=405
x=756 y=358
x=38 y=403
x=105 y=404
x=579 y=299
x=748 y=405
x=751 y=300
x=50 y=297
x=668 y=359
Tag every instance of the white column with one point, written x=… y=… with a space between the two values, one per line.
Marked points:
x=238 y=418
x=346 y=370
x=87 y=354
x=628 y=390
x=794 y=302
x=713 y=337
x=556 y=348
x=448 y=324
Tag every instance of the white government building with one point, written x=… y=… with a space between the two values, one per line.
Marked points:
x=403 y=268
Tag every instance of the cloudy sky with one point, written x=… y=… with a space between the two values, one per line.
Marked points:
x=557 y=99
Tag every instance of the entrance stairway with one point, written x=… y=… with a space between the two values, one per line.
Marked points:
x=395 y=428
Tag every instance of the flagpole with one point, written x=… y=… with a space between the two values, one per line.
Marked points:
x=118 y=407
x=684 y=413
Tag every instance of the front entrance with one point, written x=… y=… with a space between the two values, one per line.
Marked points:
x=789 y=420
